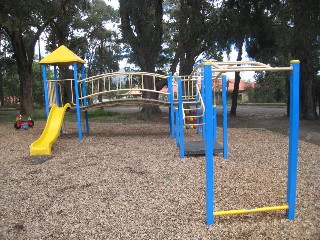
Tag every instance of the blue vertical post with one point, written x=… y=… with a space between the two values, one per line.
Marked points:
x=293 y=138
x=85 y=100
x=177 y=127
x=180 y=113
x=55 y=74
x=76 y=88
x=225 y=116
x=58 y=102
x=45 y=88
x=215 y=122
x=209 y=144
x=198 y=113
x=171 y=107
x=197 y=99
x=203 y=118
x=214 y=109
x=203 y=99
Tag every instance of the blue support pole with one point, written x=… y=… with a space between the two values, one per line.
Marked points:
x=203 y=99
x=203 y=118
x=171 y=108
x=197 y=114
x=180 y=113
x=209 y=145
x=215 y=135
x=225 y=116
x=197 y=111
x=293 y=138
x=55 y=74
x=58 y=102
x=85 y=100
x=177 y=127
x=76 y=88
x=215 y=122
x=45 y=88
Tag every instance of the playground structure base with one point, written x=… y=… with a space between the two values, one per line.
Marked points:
x=197 y=148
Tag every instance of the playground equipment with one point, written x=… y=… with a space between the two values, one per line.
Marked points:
x=217 y=67
x=42 y=146
x=192 y=106
x=24 y=124
x=190 y=111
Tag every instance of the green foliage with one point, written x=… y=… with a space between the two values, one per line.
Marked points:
x=270 y=88
x=142 y=30
x=37 y=84
x=82 y=27
x=8 y=70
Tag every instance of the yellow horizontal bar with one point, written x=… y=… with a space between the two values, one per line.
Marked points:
x=254 y=210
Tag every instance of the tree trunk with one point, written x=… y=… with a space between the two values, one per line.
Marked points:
x=186 y=64
x=24 y=60
x=149 y=109
x=141 y=25
x=26 y=99
x=304 y=39
x=1 y=90
x=235 y=93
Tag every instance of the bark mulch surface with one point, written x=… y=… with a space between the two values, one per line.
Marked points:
x=126 y=181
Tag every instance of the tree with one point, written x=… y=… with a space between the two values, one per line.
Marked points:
x=82 y=27
x=190 y=25
x=23 y=22
x=292 y=30
x=246 y=22
x=306 y=32
x=102 y=50
x=141 y=27
x=9 y=82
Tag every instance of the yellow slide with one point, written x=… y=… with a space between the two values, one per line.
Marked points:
x=42 y=146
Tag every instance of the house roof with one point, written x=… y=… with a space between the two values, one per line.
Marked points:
x=242 y=85
x=62 y=55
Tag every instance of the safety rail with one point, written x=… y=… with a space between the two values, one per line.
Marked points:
x=65 y=87
x=119 y=85
x=200 y=109
x=110 y=87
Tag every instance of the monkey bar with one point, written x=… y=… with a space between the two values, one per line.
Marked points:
x=211 y=68
x=253 y=210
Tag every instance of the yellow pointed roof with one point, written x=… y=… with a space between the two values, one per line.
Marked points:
x=62 y=55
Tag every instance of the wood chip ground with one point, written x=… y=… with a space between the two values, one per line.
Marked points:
x=126 y=181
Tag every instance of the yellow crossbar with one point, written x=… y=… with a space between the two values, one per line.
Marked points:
x=253 y=210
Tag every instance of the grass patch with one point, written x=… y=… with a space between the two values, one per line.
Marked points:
x=102 y=113
x=37 y=116
x=10 y=116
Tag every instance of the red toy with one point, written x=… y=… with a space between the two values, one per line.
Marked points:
x=23 y=123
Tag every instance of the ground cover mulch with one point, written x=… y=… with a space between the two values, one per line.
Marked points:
x=126 y=181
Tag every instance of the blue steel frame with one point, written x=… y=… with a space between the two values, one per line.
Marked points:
x=209 y=144
x=55 y=74
x=293 y=142
x=180 y=120
x=85 y=101
x=76 y=89
x=225 y=116
x=45 y=88
x=293 y=138
x=171 y=107
x=177 y=126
